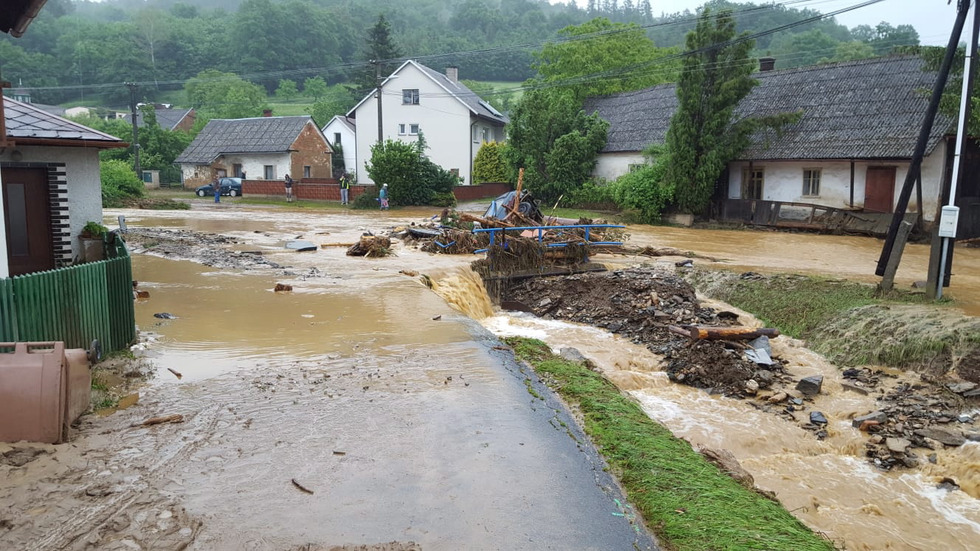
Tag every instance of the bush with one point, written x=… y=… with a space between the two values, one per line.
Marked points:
x=412 y=178
x=367 y=200
x=593 y=196
x=119 y=182
x=488 y=166
x=443 y=199
x=643 y=193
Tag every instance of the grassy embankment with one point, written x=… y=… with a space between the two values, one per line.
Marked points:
x=688 y=502
x=848 y=321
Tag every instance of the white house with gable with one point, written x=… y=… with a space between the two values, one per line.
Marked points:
x=340 y=131
x=416 y=99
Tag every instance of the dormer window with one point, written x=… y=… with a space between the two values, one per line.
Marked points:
x=410 y=96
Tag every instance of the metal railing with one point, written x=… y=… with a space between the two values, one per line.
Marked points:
x=77 y=304
x=542 y=229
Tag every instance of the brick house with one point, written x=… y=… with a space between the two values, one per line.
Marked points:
x=263 y=148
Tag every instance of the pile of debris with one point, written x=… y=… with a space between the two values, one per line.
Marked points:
x=371 y=246
x=642 y=304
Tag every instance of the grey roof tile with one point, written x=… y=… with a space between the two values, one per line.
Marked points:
x=166 y=118
x=24 y=120
x=479 y=107
x=254 y=135
x=867 y=109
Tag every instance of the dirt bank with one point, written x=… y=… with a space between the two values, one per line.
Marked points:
x=915 y=415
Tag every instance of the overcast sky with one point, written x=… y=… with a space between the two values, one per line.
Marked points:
x=933 y=19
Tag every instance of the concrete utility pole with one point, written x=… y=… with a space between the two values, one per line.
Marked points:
x=136 y=144
x=377 y=76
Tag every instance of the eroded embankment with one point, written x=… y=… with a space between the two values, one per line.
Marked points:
x=912 y=418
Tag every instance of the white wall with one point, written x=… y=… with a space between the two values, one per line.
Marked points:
x=348 y=141
x=84 y=188
x=253 y=165
x=444 y=120
x=783 y=181
x=610 y=166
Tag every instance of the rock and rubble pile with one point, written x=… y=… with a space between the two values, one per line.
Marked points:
x=640 y=304
x=207 y=248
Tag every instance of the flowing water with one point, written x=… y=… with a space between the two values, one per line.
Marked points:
x=230 y=324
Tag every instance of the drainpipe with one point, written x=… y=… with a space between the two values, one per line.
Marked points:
x=852 y=183
x=472 y=124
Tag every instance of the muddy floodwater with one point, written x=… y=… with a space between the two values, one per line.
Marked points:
x=363 y=408
x=229 y=321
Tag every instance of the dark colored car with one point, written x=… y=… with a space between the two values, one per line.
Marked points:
x=229 y=186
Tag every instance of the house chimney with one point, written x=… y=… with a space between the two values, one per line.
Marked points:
x=452 y=73
x=267 y=112
x=767 y=64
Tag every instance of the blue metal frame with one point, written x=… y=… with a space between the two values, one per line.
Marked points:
x=542 y=229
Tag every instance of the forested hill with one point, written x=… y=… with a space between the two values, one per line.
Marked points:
x=82 y=50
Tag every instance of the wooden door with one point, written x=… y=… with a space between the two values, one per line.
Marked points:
x=27 y=211
x=879 y=189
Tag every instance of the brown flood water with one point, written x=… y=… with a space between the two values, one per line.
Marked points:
x=229 y=322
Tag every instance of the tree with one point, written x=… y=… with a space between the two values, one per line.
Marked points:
x=160 y=146
x=851 y=51
x=412 y=178
x=315 y=88
x=883 y=37
x=554 y=141
x=287 y=89
x=645 y=191
x=949 y=104
x=218 y=95
x=600 y=57
x=797 y=50
x=702 y=137
x=337 y=100
x=380 y=48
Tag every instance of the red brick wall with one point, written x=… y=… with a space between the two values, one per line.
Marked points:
x=312 y=151
x=324 y=189
x=469 y=193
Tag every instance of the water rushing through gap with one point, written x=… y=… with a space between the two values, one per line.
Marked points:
x=228 y=321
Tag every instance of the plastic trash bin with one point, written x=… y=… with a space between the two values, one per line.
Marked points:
x=43 y=388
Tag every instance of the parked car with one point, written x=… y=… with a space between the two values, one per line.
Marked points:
x=229 y=186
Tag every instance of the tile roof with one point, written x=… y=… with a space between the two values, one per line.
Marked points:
x=166 y=118
x=27 y=121
x=867 y=109
x=254 y=135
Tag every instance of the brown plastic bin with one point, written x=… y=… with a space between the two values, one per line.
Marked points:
x=42 y=390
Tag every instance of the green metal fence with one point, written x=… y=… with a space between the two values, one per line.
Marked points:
x=76 y=304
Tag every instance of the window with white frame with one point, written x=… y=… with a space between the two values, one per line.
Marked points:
x=752 y=182
x=336 y=138
x=476 y=134
x=811 y=182
x=485 y=134
x=306 y=171
x=408 y=129
x=410 y=96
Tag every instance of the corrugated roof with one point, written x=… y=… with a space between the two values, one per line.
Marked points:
x=867 y=109
x=254 y=135
x=24 y=120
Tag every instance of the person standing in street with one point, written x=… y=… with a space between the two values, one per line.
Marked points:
x=383 y=197
x=216 y=186
x=289 y=189
x=344 y=189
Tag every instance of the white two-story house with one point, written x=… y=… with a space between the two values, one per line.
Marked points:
x=340 y=132
x=413 y=99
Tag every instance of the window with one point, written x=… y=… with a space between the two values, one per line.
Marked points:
x=811 y=181
x=306 y=172
x=752 y=180
x=147 y=177
x=476 y=134
x=269 y=172
x=486 y=134
x=413 y=129
x=408 y=129
x=410 y=96
x=336 y=138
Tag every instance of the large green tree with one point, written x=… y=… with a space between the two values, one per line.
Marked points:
x=703 y=136
x=412 y=178
x=218 y=95
x=600 y=57
x=554 y=141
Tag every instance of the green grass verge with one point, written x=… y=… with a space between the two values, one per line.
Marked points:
x=685 y=500
x=611 y=217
